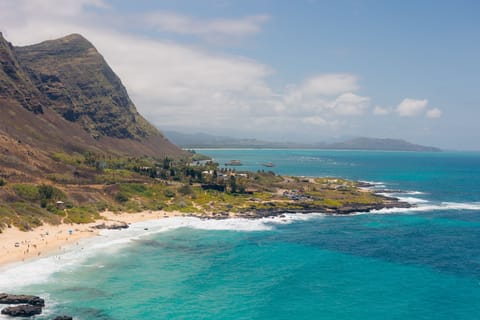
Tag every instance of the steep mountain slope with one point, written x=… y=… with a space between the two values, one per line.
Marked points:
x=83 y=88
x=16 y=86
x=61 y=95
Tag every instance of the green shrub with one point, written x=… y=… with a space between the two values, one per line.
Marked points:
x=134 y=188
x=44 y=193
x=26 y=191
x=53 y=209
x=83 y=214
x=121 y=197
x=74 y=159
x=186 y=190
x=2 y=182
x=133 y=206
x=169 y=193
x=101 y=206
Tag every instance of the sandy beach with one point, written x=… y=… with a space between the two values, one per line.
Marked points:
x=17 y=246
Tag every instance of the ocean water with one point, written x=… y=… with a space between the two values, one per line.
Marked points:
x=418 y=263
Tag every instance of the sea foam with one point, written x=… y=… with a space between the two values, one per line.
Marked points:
x=428 y=206
x=15 y=276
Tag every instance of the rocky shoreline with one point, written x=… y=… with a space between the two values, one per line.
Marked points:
x=24 y=306
x=306 y=208
x=28 y=305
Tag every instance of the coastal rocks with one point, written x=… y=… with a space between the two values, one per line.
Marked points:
x=17 y=299
x=113 y=225
x=309 y=207
x=26 y=306
x=23 y=310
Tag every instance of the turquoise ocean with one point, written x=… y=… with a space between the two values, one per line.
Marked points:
x=418 y=263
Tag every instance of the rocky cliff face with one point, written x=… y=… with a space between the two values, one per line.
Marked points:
x=62 y=95
x=15 y=84
x=83 y=88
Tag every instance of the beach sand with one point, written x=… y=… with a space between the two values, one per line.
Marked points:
x=17 y=246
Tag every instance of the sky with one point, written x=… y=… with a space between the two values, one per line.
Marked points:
x=283 y=70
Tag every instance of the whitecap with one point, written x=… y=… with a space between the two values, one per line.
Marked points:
x=15 y=276
x=432 y=207
x=373 y=182
x=412 y=200
x=413 y=192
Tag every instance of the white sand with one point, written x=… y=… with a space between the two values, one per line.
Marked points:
x=17 y=246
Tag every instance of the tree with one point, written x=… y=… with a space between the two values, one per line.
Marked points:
x=45 y=192
x=186 y=190
x=233 y=184
x=90 y=159
x=166 y=163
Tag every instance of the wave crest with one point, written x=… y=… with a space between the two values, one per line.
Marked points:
x=15 y=276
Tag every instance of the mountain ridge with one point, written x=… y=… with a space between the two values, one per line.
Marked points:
x=61 y=96
x=90 y=94
x=202 y=140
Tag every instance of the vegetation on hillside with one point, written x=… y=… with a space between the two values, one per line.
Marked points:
x=60 y=98
x=200 y=188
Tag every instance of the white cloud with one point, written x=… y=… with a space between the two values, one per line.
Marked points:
x=28 y=21
x=171 y=84
x=182 y=24
x=179 y=86
x=23 y=12
x=411 y=107
x=434 y=113
x=325 y=94
x=350 y=104
x=329 y=84
x=315 y=120
x=318 y=121
x=380 y=111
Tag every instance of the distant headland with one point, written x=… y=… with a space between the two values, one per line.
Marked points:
x=203 y=140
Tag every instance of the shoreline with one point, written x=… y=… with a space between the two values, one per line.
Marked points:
x=23 y=246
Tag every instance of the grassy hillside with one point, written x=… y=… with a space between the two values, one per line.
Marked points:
x=97 y=183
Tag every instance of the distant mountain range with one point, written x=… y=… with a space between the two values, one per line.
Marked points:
x=203 y=140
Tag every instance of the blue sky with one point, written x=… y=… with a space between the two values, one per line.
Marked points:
x=283 y=70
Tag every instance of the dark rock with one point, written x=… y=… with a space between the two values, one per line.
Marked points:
x=63 y=318
x=364 y=184
x=6 y=298
x=23 y=310
x=116 y=225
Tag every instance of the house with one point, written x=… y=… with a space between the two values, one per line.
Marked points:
x=60 y=205
x=251 y=190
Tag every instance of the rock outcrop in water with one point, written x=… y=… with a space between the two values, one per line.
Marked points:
x=23 y=310
x=27 y=305
x=6 y=298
